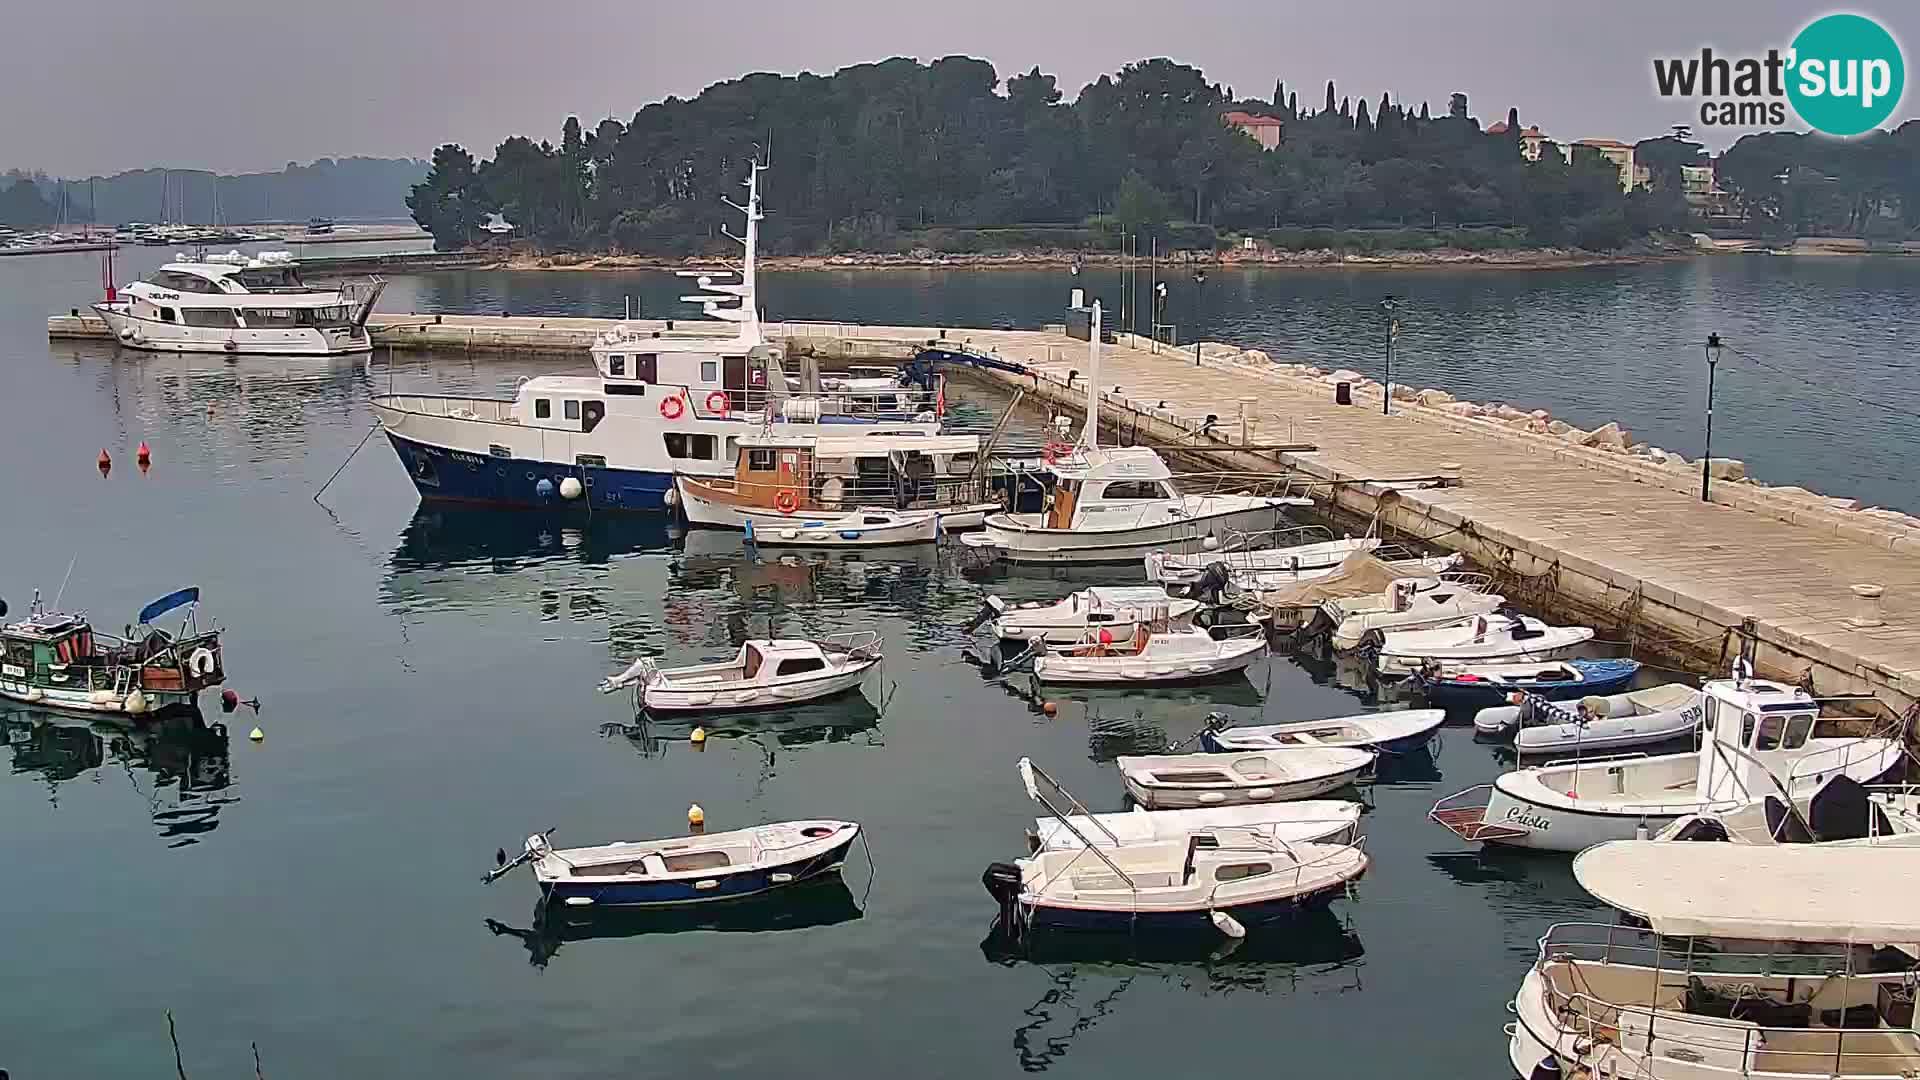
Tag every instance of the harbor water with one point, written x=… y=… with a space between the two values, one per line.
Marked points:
x=426 y=684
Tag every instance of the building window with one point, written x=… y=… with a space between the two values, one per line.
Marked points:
x=572 y=409
x=542 y=408
x=760 y=460
x=709 y=371
x=616 y=364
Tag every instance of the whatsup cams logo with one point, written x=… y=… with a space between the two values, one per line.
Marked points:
x=1842 y=75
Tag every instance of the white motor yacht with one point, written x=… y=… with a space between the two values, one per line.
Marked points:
x=239 y=304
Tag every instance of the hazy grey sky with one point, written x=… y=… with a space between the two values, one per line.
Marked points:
x=242 y=85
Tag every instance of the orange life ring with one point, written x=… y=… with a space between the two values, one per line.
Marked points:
x=787 y=502
x=717 y=402
x=672 y=407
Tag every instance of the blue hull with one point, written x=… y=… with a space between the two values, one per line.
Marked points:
x=1265 y=913
x=459 y=476
x=1602 y=677
x=731 y=886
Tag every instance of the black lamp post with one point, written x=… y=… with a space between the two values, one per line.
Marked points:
x=1706 y=458
x=1393 y=331
x=1199 y=291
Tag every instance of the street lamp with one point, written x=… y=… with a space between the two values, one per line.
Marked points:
x=1199 y=291
x=1706 y=457
x=1393 y=331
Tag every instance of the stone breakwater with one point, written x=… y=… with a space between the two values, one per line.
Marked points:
x=1610 y=446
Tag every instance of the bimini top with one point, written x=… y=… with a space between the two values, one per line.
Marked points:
x=1786 y=892
x=1117 y=463
x=875 y=444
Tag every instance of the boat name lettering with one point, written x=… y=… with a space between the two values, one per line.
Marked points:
x=465 y=458
x=166 y=296
x=1518 y=815
x=14 y=670
x=1691 y=714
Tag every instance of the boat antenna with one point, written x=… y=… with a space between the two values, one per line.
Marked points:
x=1090 y=435
x=63 y=582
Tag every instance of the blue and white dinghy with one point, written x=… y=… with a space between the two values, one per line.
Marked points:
x=684 y=870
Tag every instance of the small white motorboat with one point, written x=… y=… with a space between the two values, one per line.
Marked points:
x=1172 y=781
x=1313 y=821
x=1119 y=609
x=1759 y=740
x=1298 y=550
x=682 y=870
x=1255 y=582
x=1598 y=721
x=1484 y=637
x=1411 y=604
x=1398 y=732
x=1842 y=812
x=1156 y=654
x=764 y=674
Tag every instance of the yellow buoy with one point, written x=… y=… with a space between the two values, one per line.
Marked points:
x=696 y=817
x=699 y=735
x=256 y=734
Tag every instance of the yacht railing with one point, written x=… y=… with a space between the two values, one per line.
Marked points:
x=1636 y=946
x=1266 y=844
x=859 y=643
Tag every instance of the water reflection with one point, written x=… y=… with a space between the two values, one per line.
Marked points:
x=841 y=719
x=441 y=536
x=1089 y=974
x=181 y=768
x=827 y=902
x=1529 y=891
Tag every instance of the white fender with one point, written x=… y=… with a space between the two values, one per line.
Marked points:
x=201 y=662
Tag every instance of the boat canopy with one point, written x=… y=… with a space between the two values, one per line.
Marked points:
x=1788 y=892
x=178 y=598
x=1120 y=463
x=1359 y=574
x=875 y=445
x=1122 y=595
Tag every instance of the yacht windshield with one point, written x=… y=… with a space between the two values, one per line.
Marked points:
x=270 y=278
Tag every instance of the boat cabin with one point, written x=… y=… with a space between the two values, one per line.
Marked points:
x=1129 y=486
x=241 y=292
x=1752 y=731
x=45 y=645
x=832 y=472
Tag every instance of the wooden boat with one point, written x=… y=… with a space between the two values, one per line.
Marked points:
x=809 y=482
x=1471 y=685
x=1301 y=549
x=1313 y=821
x=1295 y=602
x=54 y=660
x=1484 y=637
x=1157 y=654
x=1598 y=722
x=1411 y=604
x=1398 y=732
x=1253 y=584
x=1119 y=609
x=685 y=869
x=1222 y=879
x=857 y=529
x=1189 y=877
x=1774 y=962
x=1759 y=740
x=1172 y=781
x=764 y=674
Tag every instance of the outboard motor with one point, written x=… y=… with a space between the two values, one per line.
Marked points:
x=1547 y=1069
x=1211 y=582
x=1003 y=884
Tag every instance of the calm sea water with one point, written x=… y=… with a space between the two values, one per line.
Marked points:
x=426 y=684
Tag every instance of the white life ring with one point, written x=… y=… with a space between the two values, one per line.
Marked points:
x=201 y=662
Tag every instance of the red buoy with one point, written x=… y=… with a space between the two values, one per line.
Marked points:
x=105 y=463
x=143 y=455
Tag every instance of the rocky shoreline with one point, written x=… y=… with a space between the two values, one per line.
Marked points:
x=1323 y=259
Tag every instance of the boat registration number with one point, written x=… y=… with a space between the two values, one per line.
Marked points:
x=14 y=670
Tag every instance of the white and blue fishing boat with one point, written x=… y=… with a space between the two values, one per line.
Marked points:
x=55 y=660
x=659 y=403
x=683 y=870
x=1400 y=731
x=1475 y=686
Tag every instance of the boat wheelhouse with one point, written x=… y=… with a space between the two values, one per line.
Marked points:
x=236 y=303
x=661 y=402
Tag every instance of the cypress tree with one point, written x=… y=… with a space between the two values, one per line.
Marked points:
x=1329 y=107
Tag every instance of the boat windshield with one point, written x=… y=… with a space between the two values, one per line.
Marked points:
x=270 y=279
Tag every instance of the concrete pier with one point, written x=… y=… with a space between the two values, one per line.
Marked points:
x=1621 y=542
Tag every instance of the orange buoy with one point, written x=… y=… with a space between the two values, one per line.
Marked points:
x=1049 y=708
x=105 y=462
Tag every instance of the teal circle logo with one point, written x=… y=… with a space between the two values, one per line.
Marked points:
x=1847 y=75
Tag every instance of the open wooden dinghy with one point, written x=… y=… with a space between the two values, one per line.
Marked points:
x=764 y=674
x=1169 y=781
x=685 y=869
x=1396 y=732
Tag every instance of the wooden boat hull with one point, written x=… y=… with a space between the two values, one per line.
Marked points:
x=1052 y=915
x=1020 y=543
x=1335 y=822
x=1599 y=677
x=740 y=697
x=1400 y=732
x=732 y=885
x=1156 y=797
x=1133 y=671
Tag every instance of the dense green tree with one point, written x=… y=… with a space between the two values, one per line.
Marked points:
x=22 y=206
x=450 y=203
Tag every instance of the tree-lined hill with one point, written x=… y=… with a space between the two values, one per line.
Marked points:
x=354 y=187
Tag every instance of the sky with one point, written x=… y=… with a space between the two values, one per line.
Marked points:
x=248 y=85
